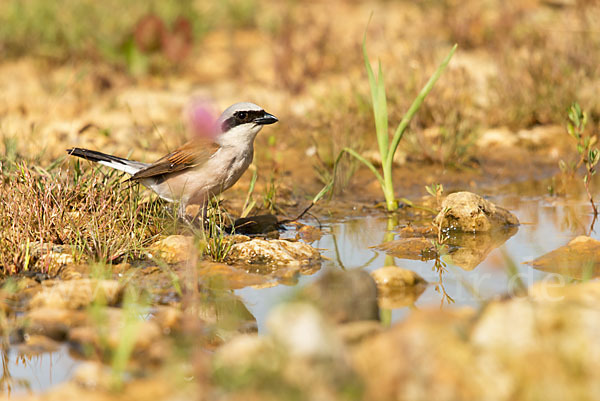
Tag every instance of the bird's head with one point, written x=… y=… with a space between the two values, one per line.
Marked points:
x=240 y=123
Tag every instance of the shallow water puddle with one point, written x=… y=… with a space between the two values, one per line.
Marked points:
x=546 y=224
x=22 y=374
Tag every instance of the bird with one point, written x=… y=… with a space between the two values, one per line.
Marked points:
x=201 y=168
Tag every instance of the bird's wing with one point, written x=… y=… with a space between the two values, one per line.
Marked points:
x=192 y=154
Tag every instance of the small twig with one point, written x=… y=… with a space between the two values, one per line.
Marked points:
x=305 y=211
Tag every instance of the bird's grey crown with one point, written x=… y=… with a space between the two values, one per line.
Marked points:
x=242 y=106
x=239 y=113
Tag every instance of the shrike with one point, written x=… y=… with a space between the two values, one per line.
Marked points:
x=202 y=168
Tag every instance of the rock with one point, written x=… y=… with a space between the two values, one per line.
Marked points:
x=468 y=212
x=508 y=324
x=424 y=358
x=168 y=318
x=173 y=249
x=302 y=331
x=15 y=294
x=93 y=375
x=76 y=294
x=343 y=296
x=274 y=252
x=398 y=287
x=53 y=323
x=393 y=278
x=585 y=294
x=93 y=382
x=36 y=345
x=535 y=341
x=74 y=272
x=552 y=320
x=355 y=332
x=238 y=238
x=243 y=352
x=500 y=137
x=578 y=259
x=105 y=337
x=301 y=354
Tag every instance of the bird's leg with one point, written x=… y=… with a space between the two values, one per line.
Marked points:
x=201 y=217
x=182 y=215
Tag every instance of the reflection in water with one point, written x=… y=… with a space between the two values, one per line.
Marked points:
x=465 y=250
x=469 y=249
x=401 y=299
x=23 y=373
x=579 y=259
x=441 y=268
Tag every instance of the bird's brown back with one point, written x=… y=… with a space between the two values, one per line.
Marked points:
x=190 y=155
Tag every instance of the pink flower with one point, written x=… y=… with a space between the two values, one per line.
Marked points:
x=201 y=118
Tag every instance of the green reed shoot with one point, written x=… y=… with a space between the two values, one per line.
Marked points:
x=387 y=149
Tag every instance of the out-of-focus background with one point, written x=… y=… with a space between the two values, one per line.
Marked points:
x=117 y=76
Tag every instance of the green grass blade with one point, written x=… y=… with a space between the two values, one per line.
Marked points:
x=250 y=203
x=415 y=107
x=381 y=114
x=367 y=163
x=331 y=183
x=378 y=98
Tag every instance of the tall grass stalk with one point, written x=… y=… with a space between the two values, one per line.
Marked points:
x=387 y=149
x=250 y=202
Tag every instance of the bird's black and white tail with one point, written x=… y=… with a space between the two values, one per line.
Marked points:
x=118 y=163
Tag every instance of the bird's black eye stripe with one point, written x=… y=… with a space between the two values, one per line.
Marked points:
x=241 y=117
x=245 y=116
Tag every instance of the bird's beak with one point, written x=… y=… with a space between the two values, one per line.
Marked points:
x=266 y=119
